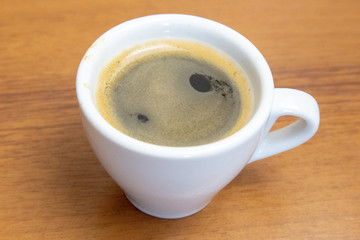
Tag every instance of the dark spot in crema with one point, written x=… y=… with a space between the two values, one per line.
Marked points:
x=200 y=82
x=142 y=118
x=206 y=83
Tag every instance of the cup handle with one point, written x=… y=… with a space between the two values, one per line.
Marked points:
x=289 y=102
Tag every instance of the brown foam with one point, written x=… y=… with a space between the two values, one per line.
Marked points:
x=191 y=128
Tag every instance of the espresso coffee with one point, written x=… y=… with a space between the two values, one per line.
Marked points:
x=174 y=93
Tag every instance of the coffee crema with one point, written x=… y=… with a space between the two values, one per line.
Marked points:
x=174 y=93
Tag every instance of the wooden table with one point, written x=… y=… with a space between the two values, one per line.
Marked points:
x=53 y=187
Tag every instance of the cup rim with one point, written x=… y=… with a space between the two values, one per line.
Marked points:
x=260 y=116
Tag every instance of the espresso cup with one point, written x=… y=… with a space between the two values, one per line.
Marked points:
x=175 y=182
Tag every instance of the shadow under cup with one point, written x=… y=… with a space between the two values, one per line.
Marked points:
x=173 y=182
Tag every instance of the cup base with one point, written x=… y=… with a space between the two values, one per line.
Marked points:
x=168 y=215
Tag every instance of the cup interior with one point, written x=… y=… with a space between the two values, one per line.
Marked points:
x=185 y=27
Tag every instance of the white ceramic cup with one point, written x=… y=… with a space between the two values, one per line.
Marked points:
x=174 y=182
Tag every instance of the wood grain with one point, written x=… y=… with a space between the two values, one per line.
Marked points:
x=52 y=186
